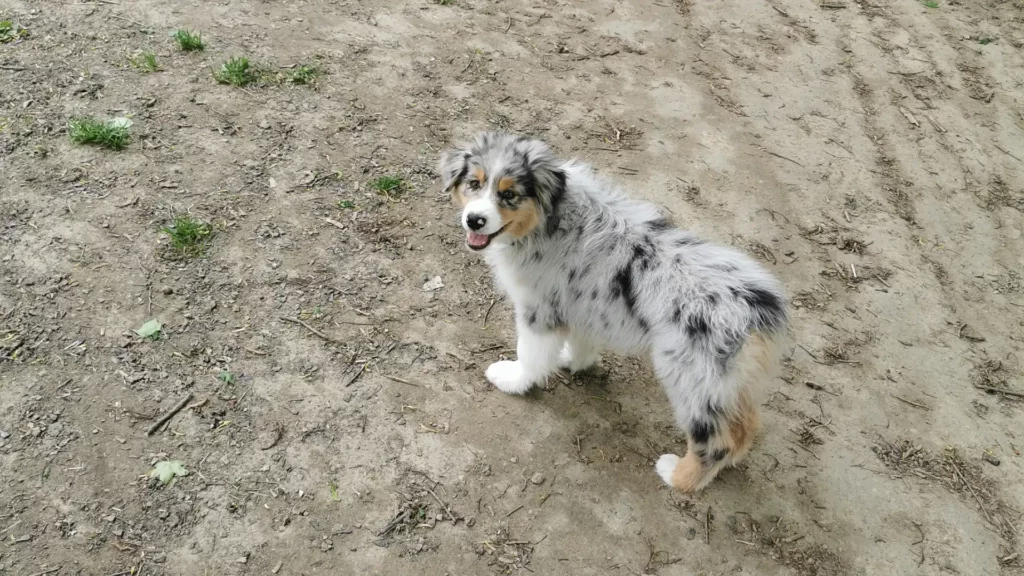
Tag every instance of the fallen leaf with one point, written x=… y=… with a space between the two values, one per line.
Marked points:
x=167 y=470
x=150 y=329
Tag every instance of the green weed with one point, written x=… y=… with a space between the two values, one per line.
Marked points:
x=145 y=62
x=9 y=31
x=112 y=134
x=236 y=72
x=305 y=74
x=388 y=185
x=189 y=237
x=188 y=40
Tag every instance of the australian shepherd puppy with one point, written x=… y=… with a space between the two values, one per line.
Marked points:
x=589 y=269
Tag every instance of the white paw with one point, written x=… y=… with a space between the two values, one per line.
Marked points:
x=508 y=377
x=568 y=359
x=665 y=466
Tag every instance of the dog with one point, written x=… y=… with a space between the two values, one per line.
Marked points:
x=589 y=269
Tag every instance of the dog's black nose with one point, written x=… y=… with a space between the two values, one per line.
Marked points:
x=476 y=222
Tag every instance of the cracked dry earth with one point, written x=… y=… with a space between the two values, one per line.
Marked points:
x=870 y=153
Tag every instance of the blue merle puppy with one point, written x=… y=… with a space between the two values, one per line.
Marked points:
x=589 y=269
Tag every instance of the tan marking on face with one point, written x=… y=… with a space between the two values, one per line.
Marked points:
x=523 y=220
x=458 y=198
x=506 y=183
x=480 y=175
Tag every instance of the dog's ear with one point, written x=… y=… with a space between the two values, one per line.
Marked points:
x=453 y=167
x=548 y=178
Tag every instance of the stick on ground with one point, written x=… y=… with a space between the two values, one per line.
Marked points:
x=310 y=328
x=170 y=414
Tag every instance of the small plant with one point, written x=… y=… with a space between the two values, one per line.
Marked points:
x=145 y=61
x=442 y=2
x=236 y=72
x=188 y=40
x=387 y=185
x=189 y=236
x=226 y=377
x=346 y=204
x=9 y=31
x=985 y=40
x=931 y=4
x=112 y=134
x=304 y=74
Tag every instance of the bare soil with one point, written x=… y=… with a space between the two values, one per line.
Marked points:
x=870 y=152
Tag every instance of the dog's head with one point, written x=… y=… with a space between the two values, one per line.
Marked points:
x=508 y=187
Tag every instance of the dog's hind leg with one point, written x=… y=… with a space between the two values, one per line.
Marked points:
x=718 y=412
x=578 y=354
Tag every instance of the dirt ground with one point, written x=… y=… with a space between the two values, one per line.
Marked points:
x=870 y=153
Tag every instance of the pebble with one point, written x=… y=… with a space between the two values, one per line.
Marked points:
x=4 y=434
x=537 y=478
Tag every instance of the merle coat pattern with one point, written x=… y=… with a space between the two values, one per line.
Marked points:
x=589 y=269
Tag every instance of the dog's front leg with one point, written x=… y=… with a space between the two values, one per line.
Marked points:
x=537 y=359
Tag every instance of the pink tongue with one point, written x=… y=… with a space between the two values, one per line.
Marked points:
x=477 y=240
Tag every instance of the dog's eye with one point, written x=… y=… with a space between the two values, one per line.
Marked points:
x=474 y=184
x=506 y=195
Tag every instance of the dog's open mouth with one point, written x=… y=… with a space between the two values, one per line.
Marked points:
x=477 y=241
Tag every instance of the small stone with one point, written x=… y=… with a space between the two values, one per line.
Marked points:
x=243 y=559
x=163 y=513
x=167 y=290
x=276 y=568
x=433 y=284
x=537 y=478
x=4 y=434
x=691 y=533
x=990 y=459
x=264 y=124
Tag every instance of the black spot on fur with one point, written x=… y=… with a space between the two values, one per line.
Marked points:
x=677 y=314
x=462 y=172
x=537 y=256
x=718 y=455
x=622 y=287
x=576 y=294
x=658 y=225
x=697 y=326
x=554 y=201
x=585 y=271
x=767 y=309
x=593 y=294
x=572 y=275
x=688 y=241
x=727 y=268
x=713 y=410
x=531 y=318
x=702 y=431
x=712 y=298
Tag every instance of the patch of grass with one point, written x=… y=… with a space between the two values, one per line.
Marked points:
x=9 y=31
x=188 y=40
x=110 y=134
x=930 y=4
x=236 y=72
x=442 y=2
x=985 y=40
x=226 y=377
x=346 y=204
x=145 y=62
x=388 y=185
x=189 y=237
x=305 y=74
